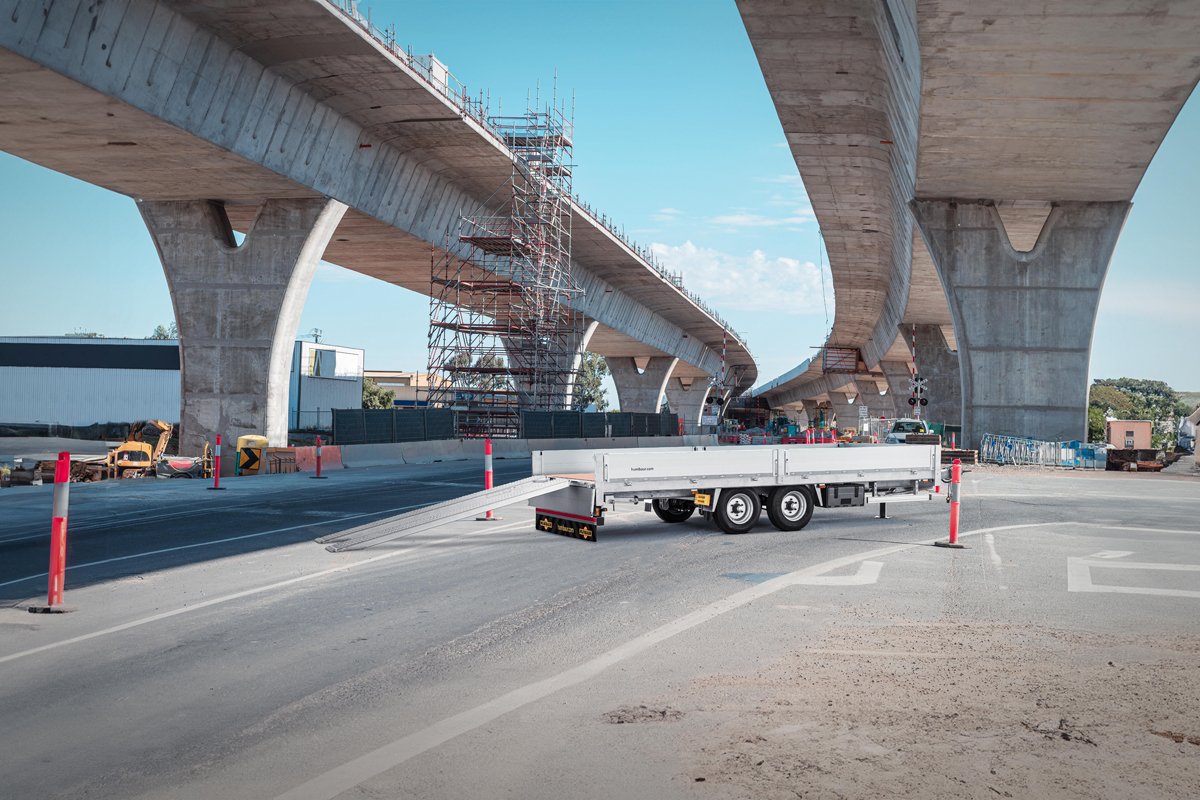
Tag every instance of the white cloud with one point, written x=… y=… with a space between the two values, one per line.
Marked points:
x=758 y=220
x=669 y=211
x=751 y=283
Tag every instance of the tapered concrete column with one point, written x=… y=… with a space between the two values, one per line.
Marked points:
x=641 y=391
x=878 y=405
x=812 y=412
x=845 y=412
x=237 y=308
x=1023 y=320
x=687 y=401
x=938 y=365
x=898 y=374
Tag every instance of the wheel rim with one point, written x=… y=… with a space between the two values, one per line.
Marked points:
x=739 y=509
x=793 y=505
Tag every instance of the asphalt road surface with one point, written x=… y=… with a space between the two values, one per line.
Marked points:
x=218 y=652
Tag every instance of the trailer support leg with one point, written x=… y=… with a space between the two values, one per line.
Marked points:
x=883 y=512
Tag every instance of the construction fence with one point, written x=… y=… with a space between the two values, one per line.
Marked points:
x=388 y=425
x=596 y=424
x=1017 y=451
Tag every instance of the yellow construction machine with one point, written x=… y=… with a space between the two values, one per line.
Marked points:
x=135 y=458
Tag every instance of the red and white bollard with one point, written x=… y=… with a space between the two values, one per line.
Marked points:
x=216 y=465
x=487 y=478
x=318 y=475
x=58 y=539
x=952 y=447
x=955 y=481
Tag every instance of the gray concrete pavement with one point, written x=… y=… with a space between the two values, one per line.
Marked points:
x=379 y=672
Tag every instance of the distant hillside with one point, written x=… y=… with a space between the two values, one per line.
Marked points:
x=1191 y=398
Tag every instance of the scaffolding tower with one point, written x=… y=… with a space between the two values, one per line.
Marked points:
x=502 y=334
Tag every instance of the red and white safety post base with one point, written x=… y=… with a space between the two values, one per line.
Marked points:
x=487 y=479
x=58 y=539
x=319 y=475
x=955 y=482
x=216 y=465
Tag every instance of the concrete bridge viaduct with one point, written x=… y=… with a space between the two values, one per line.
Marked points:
x=290 y=121
x=971 y=165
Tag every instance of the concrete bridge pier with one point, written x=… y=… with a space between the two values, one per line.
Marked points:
x=687 y=400
x=641 y=392
x=237 y=308
x=879 y=405
x=813 y=412
x=1023 y=320
x=939 y=365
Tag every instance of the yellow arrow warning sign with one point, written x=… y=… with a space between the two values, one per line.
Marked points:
x=249 y=458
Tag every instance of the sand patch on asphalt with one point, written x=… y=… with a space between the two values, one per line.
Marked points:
x=951 y=711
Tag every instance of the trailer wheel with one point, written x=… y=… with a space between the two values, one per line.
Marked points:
x=790 y=507
x=737 y=510
x=673 y=510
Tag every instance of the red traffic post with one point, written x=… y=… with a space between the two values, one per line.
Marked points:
x=58 y=539
x=318 y=475
x=487 y=479
x=952 y=447
x=955 y=480
x=217 y=466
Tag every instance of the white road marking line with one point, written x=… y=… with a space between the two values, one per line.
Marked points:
x=257 y=590
x=995 y=558
x=1076 y=496
x=1079 y=577
x=214 y=541
x=1111 y=554
x=345 y=777
x=867 y=573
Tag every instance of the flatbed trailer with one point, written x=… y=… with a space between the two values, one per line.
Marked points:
x=733 y=485
x=571 y=489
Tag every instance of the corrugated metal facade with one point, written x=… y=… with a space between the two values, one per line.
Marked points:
x=82 y=396
x=70 y=394
x=324 y=377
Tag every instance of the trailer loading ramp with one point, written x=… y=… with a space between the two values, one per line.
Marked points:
x=423 y=519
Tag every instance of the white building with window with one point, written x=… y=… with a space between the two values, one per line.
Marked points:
x=324 y=377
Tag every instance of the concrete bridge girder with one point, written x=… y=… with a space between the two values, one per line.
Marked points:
x=202 y=114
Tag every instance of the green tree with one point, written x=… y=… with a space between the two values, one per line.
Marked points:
x=168 y=332
x=375 y=397
x=589 y=384
x=1095 y=424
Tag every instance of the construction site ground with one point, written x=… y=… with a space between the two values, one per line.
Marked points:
x=1057 y=656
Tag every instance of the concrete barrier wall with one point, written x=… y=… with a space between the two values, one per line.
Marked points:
x=306 y=458
x=374 y=455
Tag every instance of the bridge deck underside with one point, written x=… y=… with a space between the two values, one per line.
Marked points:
x=60 y=124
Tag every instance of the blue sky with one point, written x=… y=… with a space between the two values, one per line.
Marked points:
x=676 y=138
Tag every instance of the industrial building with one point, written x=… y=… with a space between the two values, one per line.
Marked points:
x=324 y=377
x=62 y=380
x=411 y=388
x=71 y=381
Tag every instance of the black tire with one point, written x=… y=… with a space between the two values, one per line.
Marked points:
x=790 y=507
x=737 y=510
x=673 y=510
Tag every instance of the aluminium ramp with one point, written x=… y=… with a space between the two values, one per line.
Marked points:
x=423 y=519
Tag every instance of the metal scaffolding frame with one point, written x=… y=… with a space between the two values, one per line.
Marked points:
x=502 y=333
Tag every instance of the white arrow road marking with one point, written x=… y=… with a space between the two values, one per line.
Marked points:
x=1079 y=577
x=1111 y=554
x=868 y=572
